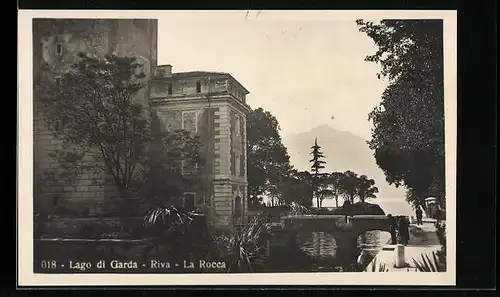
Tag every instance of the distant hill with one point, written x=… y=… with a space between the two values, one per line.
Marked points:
x=343 y=151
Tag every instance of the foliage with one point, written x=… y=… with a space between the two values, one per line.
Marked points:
x=295 y=188
x=244 y=249
x=96 y=110
x=318 y=179
x=366 y=188
x=295 y=208
x=349 y=185
x=336 y=187
x=268 y=159
x=408 y=133
x=375 y=268
x=441 y=234
x=92 y=110
x=170 y=152
x=299 y=187
x=428 y=264
x=360 y=208
x=170 y=218
x=317 y=158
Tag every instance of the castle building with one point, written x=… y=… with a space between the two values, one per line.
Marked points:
x=56 y=43
x=213 y=106
x=209 y=104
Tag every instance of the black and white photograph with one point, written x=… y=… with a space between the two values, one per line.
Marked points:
x=237 y=147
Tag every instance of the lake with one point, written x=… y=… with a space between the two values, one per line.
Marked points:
x=321 y=247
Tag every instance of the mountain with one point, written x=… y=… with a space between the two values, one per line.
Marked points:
x=343 y=151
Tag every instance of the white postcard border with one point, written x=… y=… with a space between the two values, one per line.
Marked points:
x=26 y=277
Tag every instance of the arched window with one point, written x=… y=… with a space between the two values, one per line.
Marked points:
x=188 y=201
x=238 y=207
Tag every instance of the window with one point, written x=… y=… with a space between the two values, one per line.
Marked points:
x=237 y=164
x=55 y=201
x=238 y=207
x=59 y=48
x=198 y=87
x=188 y=200
x=190 y=121
x=208 y=197
x=169 y=90
x=237 y=125
x=139 y=70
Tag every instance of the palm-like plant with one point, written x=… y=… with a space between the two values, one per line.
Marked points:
x=176 y=230
x=429 y=265
x=167 y=216
x=381 y=267
x=244 y=248
x=295 y=208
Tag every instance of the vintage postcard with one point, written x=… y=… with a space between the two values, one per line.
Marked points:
x=236 y=148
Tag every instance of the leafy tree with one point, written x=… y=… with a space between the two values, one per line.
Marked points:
x=317 y=164
x=336 y=186
x=353 y=186
x=323 y=193
x=408 y=133
x=95 y=111
x=170 y=153
x=297 y=188
x=349 y=184
x=268 y=159
x=366 y=188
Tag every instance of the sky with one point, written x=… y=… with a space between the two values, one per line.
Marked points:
x=306 y=72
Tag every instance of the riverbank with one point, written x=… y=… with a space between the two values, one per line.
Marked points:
x=423 y=240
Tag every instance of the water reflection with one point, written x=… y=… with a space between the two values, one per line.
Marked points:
x=321 y=247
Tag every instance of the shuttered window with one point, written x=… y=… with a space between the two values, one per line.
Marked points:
x=190 y=121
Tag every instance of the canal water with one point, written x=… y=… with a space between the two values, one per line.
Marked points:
x=321 y=247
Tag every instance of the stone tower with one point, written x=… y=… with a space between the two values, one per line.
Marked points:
x=56 y=43
x=212 y=105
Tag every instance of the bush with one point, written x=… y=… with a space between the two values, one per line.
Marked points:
x=325 y=211
x=441 y=234
x=359 y=208
x=244 y=249
x=438 y=261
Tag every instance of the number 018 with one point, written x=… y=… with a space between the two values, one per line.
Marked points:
x=48 y=264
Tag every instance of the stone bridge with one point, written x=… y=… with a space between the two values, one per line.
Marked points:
x=344 y=232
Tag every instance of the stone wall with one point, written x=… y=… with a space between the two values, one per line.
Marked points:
x=170 y=119
x=87 y=228
x=56 y=43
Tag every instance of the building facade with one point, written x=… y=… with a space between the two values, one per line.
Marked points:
x=209 y=104
x=56 y=43
x=213 y=106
